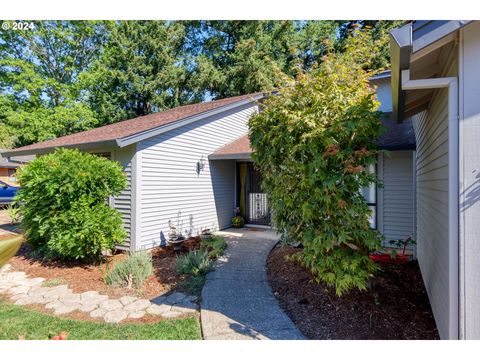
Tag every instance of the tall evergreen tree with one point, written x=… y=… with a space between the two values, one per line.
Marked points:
x=67 y=76
x=40 y=96
x=143 y=69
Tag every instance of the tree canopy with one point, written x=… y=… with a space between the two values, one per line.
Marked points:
x=67 y=76
x=314 y=143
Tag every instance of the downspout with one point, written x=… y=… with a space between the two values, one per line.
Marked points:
x=451 y=83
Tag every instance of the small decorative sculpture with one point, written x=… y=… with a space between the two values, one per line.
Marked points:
x=174 y=238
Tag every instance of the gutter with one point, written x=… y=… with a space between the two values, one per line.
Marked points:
x=400 y=51
x=45 y=150
x=451 y=83
x=411 y=41
x=236 y=156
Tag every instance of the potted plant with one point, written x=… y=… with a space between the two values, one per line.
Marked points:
x=238 y=221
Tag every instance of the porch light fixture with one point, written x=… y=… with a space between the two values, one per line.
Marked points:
x=200 y=165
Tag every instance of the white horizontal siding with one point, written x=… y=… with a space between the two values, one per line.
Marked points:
x=398 y=196
x=123 y=202
x=171 y=188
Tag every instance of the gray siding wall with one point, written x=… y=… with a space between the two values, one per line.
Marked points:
x=397 y=196
x=171 y=189
x=384 y=94
x=223 y=174
x=431 y=131
x=123 y=202
x=469 y=131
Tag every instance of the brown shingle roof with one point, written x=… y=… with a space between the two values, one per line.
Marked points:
x=133 y=126
x=239 y=146
x=397 y=137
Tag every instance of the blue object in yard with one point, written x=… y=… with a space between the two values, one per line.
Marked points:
x=7 y=192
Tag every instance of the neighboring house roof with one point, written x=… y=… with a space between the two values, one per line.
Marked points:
x=410 y=42
x=129 y=131
x=397 y=137
x=15 y=161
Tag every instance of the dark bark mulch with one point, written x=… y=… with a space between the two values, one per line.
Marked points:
x=398 y=307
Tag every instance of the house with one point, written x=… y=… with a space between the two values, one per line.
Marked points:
x=436 y=82
x=9 y=167
x=192 y=165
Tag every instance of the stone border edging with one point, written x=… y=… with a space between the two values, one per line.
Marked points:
x=62 y=300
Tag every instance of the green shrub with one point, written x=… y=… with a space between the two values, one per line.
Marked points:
x=132 y=271
x=314 y=144
x=215 y=246
x=196 y=262
x=63 y=200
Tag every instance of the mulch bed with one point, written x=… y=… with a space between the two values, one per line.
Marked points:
x=398 y=307
x=86 y=277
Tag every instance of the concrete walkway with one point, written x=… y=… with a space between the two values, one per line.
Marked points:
x=237 y=302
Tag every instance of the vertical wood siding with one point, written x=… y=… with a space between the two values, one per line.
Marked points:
x=123 y=202
x=398 y=197
x=431 y=131
x=171 y=187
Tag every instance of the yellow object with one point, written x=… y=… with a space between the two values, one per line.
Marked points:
x=8 y=248
x=243 y=197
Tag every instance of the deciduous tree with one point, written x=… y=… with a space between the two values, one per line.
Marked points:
x=314 y=142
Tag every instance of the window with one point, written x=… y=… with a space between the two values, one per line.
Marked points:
x=370 y=195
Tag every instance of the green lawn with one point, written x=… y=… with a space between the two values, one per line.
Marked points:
x=15 y=321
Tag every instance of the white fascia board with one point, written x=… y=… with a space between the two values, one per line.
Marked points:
x=238 y=156
x=122 y=142
x=104 y=144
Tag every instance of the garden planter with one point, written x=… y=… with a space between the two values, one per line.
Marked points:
x=238 y=222
x=387 y=258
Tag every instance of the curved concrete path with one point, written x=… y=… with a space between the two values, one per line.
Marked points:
x=237 y=302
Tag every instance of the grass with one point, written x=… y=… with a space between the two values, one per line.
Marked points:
x=16 y=321
x=54 y=282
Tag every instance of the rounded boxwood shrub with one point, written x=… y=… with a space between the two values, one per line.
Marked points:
x=63 y=200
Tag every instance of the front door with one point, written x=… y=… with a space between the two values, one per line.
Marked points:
x=257 y=211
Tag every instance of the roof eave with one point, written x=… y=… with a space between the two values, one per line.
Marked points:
x=398 y=147
x=237 y=156
x=82 y=146
x=9 y=165
x=400 y=51
x=437 y=34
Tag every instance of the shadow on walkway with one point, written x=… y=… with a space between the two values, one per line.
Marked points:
x=237 y=302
